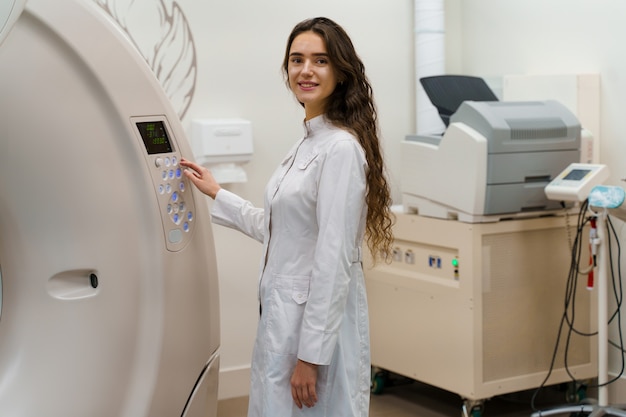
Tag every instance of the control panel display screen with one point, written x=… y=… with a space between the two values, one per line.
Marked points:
x=155 y=137
x=576 y=174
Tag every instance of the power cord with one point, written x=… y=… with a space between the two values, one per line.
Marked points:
x=570 y=296
x=569 y=310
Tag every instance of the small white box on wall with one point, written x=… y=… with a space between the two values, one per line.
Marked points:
x=223 y=145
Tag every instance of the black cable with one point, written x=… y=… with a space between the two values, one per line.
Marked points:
x=569 y=313
x=618 y=294
x=570 y=292
x=570 y=297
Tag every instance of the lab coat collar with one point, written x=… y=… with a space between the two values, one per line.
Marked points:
x=314 y=124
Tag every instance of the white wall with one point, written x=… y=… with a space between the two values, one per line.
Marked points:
x=492 y=38
x=240 y=46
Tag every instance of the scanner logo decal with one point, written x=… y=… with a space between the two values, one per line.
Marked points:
x=161 y=33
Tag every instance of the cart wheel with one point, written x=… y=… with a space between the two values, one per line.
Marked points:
x=379 y=380
x=582 y=393
x=472 y=408
x=576 y=393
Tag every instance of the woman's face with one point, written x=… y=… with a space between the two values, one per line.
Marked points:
x=311 y=75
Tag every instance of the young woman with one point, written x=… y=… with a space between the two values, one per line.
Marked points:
x=311 y=356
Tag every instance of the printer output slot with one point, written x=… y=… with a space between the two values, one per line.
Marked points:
x=538 y=178
x=532 y=208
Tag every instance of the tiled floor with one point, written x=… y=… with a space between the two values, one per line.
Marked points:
x=420 y=400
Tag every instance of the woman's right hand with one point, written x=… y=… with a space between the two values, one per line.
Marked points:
x=201 y=177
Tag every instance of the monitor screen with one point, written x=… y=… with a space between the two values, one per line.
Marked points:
x=155 y=137
x=576 y=174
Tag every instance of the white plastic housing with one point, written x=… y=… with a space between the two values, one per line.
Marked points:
x=108 y=272
x=576 y=181
x=221 y=140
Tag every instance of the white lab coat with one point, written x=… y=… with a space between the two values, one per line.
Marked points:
x=311 y=287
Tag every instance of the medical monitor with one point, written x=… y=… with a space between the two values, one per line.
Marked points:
x=576 y=181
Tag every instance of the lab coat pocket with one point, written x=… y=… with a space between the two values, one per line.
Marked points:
x=306 y=161
x=285 y=312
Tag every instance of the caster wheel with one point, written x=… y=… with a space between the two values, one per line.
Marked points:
x=476 y=412
x=472 y=409
x=379 y=379
x=576 y=393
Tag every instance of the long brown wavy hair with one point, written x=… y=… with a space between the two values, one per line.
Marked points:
x=351 y=106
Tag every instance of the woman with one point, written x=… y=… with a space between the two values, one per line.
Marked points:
x=311 y=355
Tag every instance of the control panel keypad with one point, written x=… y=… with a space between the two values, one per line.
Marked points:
x=173 y=189
x=175 y=200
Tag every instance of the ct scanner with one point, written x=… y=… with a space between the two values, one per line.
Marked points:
x=109 y=295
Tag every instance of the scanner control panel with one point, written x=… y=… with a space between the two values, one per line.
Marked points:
x=171 y=186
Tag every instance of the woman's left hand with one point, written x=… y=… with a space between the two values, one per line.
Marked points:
x=303 y=383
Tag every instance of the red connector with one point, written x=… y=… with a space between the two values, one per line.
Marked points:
x=593 y=244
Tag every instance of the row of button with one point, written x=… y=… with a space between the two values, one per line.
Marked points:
x=167 y=161
x=167 y=188
x=171 y=174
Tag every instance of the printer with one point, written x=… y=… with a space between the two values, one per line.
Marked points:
x=492 y=162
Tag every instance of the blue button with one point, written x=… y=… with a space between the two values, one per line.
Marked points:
x=189 y=216
x=175 y=197
x=186 y=227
